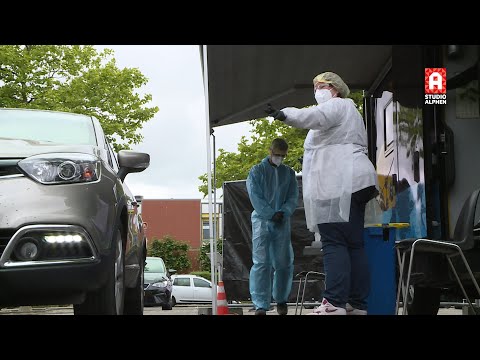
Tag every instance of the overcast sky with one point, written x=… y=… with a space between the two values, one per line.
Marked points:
x=176 y=137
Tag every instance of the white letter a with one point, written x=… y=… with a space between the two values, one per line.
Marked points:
x=435 y=79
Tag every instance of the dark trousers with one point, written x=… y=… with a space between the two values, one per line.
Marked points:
x=347 y=278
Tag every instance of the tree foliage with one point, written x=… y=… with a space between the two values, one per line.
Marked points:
x=203 y=258
x=231 y=166
x=174 y=253
x=76 y=79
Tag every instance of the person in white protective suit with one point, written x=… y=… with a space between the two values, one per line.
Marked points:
x=338 y=181
x=273 y=191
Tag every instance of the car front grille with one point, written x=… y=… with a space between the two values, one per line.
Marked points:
x=5 y=236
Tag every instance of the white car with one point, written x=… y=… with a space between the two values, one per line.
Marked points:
x=190 y=289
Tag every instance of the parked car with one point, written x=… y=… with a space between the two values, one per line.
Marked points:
x=69 y=228
x=141 y=223
x=158 y=286
x=191 y=289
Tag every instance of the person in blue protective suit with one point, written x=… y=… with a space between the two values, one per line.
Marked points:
x=338 y=181
x=273 y=191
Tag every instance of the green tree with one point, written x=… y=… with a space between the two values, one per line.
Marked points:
x=231 y=166
x=76 y=79
x=410 y=129
x=173 y=252
x=205 y=251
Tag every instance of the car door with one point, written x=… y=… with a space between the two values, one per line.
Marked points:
x=202 y=290
x=183 y=289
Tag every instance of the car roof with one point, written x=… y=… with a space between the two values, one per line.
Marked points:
x=188 y=275
x=48 y=111
x=173 y=277
x=157 y=259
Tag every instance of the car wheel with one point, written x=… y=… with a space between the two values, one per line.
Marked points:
x=174 y=301
x=168 y=306
x=134 y=297
x=423 y=300
x=109 y=299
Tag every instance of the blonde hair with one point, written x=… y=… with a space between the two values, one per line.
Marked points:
x=333 y=79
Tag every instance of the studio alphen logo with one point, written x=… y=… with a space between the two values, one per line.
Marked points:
x=435 y=86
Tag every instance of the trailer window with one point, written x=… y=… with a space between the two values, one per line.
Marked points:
x=389 y=127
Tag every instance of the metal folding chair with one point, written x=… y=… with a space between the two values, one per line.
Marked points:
x=463 y=239
x=303 y=276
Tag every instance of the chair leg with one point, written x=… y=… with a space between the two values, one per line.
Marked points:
x=469 y=270
x=401 y=263
x=298 y=294
x=406 y=292
x=472 y=277
x=404 y=287
x=304 y=281
x=303 y=294
x=460 y=284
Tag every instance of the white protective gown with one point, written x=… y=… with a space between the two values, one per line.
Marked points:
x=335 y=161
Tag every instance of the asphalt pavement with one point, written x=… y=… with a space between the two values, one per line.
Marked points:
x=177 y=310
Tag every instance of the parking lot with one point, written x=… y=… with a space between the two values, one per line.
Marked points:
x=177 y=310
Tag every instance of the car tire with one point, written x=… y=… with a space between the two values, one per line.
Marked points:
x=174 y=301
x=134 y=297
x=109 y=299
x=423 y=300
x=168 y=306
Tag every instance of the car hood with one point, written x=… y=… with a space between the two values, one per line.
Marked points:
x=154 y=277
x=18 y=148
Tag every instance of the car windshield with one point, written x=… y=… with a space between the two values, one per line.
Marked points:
x=154 y=266
x=47 y=126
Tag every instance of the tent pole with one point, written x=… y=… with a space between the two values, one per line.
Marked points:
x=209 y=181
x=215 y=212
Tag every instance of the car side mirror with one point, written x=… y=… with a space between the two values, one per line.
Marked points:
x=132 y=161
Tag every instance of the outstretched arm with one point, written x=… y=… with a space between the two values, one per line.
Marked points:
x=320 y=117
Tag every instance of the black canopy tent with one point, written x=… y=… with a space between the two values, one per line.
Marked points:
x=243 y=78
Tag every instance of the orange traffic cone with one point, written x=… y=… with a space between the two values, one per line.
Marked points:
x=222 y=305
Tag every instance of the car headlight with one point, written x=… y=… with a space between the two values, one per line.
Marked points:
x=61 y=168
x=160 y=284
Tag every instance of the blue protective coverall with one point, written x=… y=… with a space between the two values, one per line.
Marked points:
x=271 y=189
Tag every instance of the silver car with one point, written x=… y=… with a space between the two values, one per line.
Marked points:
x=69 y=227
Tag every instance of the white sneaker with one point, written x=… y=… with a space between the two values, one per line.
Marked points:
x=328 y=309
x=352 y=311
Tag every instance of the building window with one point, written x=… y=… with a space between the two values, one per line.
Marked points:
x=206 y=230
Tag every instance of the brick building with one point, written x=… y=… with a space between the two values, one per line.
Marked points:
x=184 y=220
x=179 y=218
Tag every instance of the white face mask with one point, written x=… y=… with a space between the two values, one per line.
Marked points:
x=323 y=95
x=277 y=160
